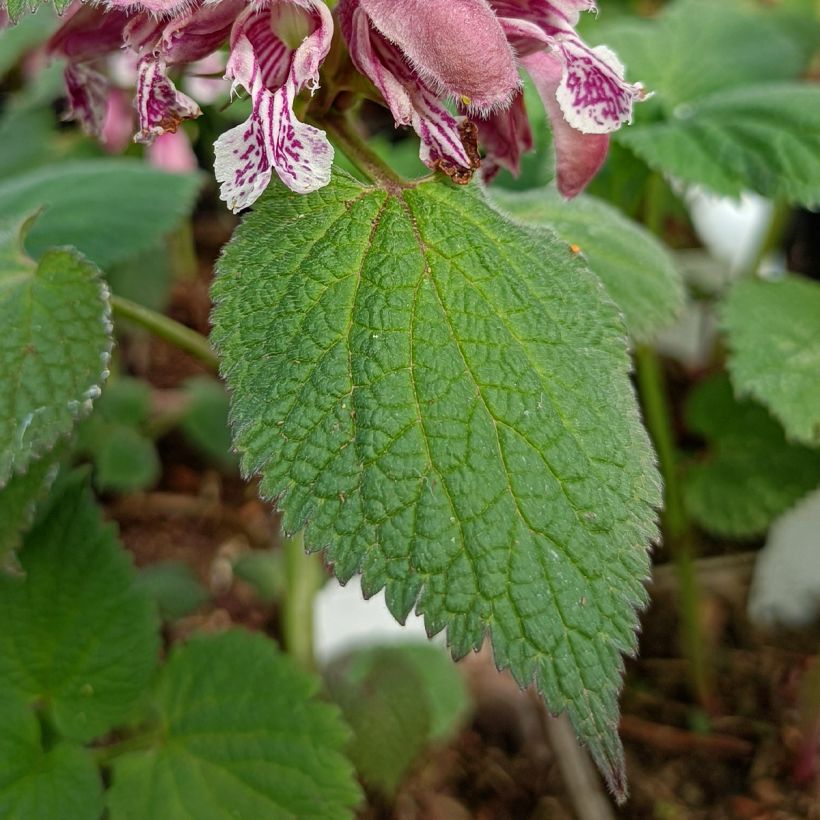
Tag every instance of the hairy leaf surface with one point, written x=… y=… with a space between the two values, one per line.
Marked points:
x=56 y=783
x=635 y=268
x=750 y=475
x=77 y=633
x=54 y=347
x=19 y=500
x=764 y=138
x=244 y=735
x=773 y=330
x=443 y=397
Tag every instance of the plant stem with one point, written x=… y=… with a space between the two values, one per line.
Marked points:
x=676 y=525
x=171 y=331
x=103 y=755
x=781 y=211
x=303 y=579
x=357 y=151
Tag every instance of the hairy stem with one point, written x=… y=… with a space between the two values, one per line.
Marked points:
x=303 y=578
x=171 y=331
x=356 y=150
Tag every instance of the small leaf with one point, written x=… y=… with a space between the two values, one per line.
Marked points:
x=54 y=348
x=636 y=269
x=397 y=700
x=244 y=735
x=443 y=396
x=773 y=332
x=764 y=138
x=750 y=474
x=125 y=460
x=125 y=401
x=110 y=209
x=205 y=423
x=19 y=500
x=56 y=783
x=174 y=587
x=77 y=633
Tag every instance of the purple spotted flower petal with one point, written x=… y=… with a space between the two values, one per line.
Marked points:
x=87 y=92
x=578 y=155
x=414 y=72
x=160 y=106
x=505 y=137
x=270 y=63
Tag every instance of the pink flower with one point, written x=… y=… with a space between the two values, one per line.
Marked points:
x=276 y=50
x=419 y=53
x=582 y=88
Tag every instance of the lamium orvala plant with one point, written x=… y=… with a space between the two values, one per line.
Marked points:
x=430 y=380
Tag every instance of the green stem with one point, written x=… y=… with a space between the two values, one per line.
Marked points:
x=303 y=579
x=103 y=755
x=357 y=151
x=676 y=524
x=173 y=332
x=781 y=211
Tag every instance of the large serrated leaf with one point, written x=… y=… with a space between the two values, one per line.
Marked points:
x=60 y=782
x=764 y=138
x=243 y=735
x=773 y=331
x=636 y=269
x=443 y=397
x=77 y=635
x=54 y=347
x=110 y=209
x=750 y=474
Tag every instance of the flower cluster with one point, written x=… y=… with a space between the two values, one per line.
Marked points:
x=447 y=68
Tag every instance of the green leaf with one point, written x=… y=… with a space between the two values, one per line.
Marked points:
x=205 y=423
x=56 y=783
x=697 y=47
x=125 y=460
x=174 y=587
x=125 y=401
x=243 y=736
x=54 y=349
x=398 y=700
x=15 y=41
x=635 y=268
x=19 y=500
x=443 y=396
x=750 y=475
x=264 y=571
x=16 y=9
x=773 y=331
x=109 y=209
x=77 y=634
x=765 y=138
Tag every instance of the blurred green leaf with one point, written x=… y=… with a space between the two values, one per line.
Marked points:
x=697 y=47
x=77 y=635
x=26 y=135
x=243 y=735
x=773 y=332
x=19 y=500
x=636 y=269
x=750 y=474
x=54 y=349
x=110 y=209
x=17 y=8
x=205 y=423
x=125 y=460
x=763 y=138
x=144 y=278
x=30 y=32
x=174 y=587
x=398 y=700
x=125 y=400
x=39 y=781
x=264 y=570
